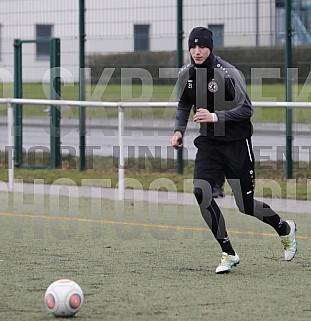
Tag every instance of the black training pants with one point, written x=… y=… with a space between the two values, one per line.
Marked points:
x=236 y=160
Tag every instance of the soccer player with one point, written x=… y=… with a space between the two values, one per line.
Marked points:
x=216 y=91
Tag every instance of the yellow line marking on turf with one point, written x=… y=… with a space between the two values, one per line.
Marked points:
x=136 y=224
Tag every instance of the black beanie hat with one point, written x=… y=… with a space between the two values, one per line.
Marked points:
x=201 y=36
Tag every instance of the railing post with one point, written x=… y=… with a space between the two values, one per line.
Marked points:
x=180 y=61
x=288 y=84
x=18 y=110
x=10 y=147
x=121 y=154
x=55 y=114
x=82 y=110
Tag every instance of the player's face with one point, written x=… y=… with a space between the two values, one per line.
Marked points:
x=199 y=54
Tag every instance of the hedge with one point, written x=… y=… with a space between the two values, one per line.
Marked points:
x=243 y=58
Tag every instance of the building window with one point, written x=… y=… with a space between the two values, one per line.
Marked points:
x=141 y=37
x=43 y=49
x=218 y=34
x=280 y=3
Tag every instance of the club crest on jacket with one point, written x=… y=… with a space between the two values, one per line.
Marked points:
x=212 y=86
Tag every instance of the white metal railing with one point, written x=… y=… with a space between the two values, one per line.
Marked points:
x=10 y=102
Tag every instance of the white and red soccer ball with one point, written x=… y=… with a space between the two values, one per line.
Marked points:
x=63 y=298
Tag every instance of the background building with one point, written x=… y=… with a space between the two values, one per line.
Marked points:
x=139 y=25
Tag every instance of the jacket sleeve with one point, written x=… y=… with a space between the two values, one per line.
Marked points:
x=237 y=103
x=184 y=105
x=182 y=116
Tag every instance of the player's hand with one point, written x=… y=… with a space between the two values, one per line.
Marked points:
x=203 y=116
x=176 y=140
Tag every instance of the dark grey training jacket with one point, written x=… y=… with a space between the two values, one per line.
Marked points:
x=221 y=89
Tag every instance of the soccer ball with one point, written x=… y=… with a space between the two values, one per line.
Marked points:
x=63 y=298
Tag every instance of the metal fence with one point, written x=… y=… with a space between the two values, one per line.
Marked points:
x=140 y=33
